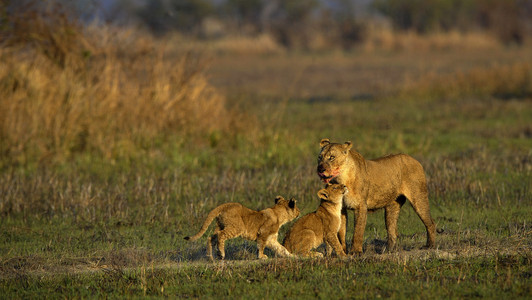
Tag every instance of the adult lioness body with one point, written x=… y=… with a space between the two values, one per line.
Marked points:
x=234 y=219
x=373 y=184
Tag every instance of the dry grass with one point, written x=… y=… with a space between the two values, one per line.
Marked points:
x=512 y=81
x=379 y=39
x=99 y=90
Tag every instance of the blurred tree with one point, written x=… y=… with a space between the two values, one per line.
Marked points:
x=427 y=15
x=183 y=15
x=246 y=13
x=292 y=22
x=506 y=19
x=350 y=30
x=509 y=20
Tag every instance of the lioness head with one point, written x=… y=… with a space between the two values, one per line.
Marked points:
x=331 y=159
x=289 y=205
x=333 y=192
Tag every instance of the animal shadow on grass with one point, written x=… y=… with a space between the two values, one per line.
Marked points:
x=234 y=250
x=379 y=246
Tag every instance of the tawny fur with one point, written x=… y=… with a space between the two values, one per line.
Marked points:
x=318 y=227
x=373 y=184
x=234 y=220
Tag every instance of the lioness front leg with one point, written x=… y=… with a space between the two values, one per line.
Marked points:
x=391 y=215
x=361 y=215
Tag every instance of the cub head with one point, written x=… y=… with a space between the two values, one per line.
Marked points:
x=289 y=205
x=331 y=159
x=333 y=192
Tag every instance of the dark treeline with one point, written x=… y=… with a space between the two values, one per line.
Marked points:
x=295 y=23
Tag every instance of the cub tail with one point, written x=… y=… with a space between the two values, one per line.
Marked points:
x=210 y=217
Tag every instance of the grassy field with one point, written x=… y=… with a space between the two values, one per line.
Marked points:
x=92 y=211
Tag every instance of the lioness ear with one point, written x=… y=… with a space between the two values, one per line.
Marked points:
x=292 y=203
x=278 y=198
x=323 y=194
x=348 y=145
x=324 y=142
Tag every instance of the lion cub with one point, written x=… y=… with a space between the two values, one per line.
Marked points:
x=233 y=220
x=320 y=226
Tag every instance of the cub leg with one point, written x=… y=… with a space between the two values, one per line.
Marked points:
x=328 y=249
x=314 y=253
x=261 y=244
x=361 y=215
x=222 y=237
x=343 y=229
x=332 y=240
x=212 y=240
x=277 y=247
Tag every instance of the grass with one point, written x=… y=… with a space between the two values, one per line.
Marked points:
x=86 y=222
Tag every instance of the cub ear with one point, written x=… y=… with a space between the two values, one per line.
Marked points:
x=348 y=145
x=323 y=194
x=346 y=190
x=292 y=203
x=278 y=198
x=324 y=142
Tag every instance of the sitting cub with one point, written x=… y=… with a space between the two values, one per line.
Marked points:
x=233 y=220
x=320 y=226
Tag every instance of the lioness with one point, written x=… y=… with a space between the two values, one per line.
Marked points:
x=320 y=226
x=233 y=220
x=373 y=184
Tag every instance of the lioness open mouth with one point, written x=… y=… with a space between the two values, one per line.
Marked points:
x=325 y=178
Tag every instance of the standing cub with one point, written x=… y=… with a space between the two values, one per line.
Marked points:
x=233 y=220
x=320 y=226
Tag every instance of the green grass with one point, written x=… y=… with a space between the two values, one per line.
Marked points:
x=91 y=226
x=477 y=277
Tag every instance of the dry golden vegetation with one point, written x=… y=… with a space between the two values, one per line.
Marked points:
x=68 y=90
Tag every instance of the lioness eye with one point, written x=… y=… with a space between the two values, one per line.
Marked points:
x=331 y=158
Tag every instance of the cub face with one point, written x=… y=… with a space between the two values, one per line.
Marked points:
x=331 y=159
x=289 y=205
x=333 y=192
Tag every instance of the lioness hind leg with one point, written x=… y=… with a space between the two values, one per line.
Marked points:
x=420 y=203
